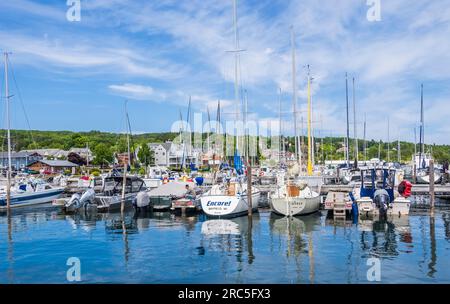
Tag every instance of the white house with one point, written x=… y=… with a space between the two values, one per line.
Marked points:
x=170 y=154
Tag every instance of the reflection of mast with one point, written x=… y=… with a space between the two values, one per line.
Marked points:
x=433 y=258
x=10 y=248
x=251 y=257
x=311 y=258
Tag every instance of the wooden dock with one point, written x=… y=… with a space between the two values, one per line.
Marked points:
x=441 y=191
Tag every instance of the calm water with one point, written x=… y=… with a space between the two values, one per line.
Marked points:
x=161 y=248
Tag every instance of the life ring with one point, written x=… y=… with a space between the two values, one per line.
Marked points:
x=261 y=174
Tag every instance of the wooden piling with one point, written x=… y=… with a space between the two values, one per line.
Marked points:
x=124 y=182
x=432 y=197
x=249 y=190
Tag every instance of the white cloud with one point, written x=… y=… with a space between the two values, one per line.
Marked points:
x=136 y=91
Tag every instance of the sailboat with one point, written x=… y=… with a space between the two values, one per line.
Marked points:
x=28 y=193
x=421 y=160
x=231 y=197
x=296 y=197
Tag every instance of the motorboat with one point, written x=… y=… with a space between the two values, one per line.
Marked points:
x=110 y=198
x=379 y=197
x=29 y=193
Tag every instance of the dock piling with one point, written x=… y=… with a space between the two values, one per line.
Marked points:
x=432 y=197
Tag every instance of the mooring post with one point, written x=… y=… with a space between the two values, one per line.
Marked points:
x=249 y=189
x=432 y=186
x=124 y=184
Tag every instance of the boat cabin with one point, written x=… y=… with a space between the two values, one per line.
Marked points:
x=114 y=184
x=375 y=179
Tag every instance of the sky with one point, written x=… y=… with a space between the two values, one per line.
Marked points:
x=157 y=54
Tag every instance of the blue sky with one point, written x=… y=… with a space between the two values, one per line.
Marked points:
x=76 y=75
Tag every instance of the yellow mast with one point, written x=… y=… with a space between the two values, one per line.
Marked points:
x=310 y=168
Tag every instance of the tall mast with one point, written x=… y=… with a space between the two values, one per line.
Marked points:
x=310 y=166
x=355 y=125
x=365 y=142
x=8 y=121
x=421 y=136
x=415 y=142
x=127 y=121
x=347 y=150
x=209 y=132
x=313 y=143
x=236 y=61
x=399 y=153
x=279 y=128
x=294 y=98
x=388 y=144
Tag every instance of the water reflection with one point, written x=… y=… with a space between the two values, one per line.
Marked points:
x=264 y=247
x=230 y=235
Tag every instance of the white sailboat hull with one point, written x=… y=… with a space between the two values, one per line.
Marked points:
x=425 y=179
x=293 y=206
x=227 y=206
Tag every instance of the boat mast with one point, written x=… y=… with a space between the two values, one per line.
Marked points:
x=236 y=69
x=365 y=142
x=294 y=100
x=355 y=125
x=279 y=128
x=310 y=166
x=347 y=150
x=421 y=135
x=313 y=139
x=388 y=144
x=127 y=120
x=8 y=121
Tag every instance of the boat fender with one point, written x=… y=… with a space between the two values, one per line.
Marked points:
x=355 y=211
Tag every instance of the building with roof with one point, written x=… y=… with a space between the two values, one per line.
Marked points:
x=49 y=153
x=85 y=153
x=52 y=166
x=170 y=154
x=19 y=160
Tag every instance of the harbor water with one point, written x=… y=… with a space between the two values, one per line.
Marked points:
x=36 y=244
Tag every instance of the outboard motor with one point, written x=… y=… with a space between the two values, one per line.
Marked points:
x=142 y=201
x=382 y=200
x=78 y=201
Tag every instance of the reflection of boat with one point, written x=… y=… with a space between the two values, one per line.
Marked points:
x=217 y=227
x=234 y=226
x=381 y=237
x=297 y=225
